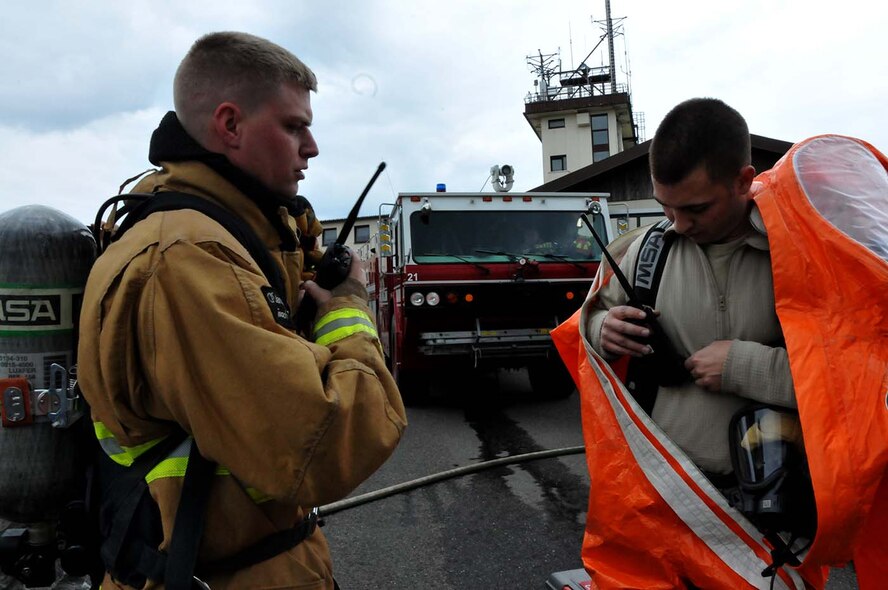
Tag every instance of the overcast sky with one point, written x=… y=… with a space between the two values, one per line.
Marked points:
x=433 y=88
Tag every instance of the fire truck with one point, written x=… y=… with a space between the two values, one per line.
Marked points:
x=474 y=280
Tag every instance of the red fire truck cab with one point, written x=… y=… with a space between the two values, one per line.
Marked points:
x=468 y=280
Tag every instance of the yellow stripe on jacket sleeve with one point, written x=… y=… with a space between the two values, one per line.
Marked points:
x=175 y=464
x=342 y=323
x=118 y=453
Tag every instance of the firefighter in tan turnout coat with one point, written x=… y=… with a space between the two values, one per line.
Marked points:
x=180 y=331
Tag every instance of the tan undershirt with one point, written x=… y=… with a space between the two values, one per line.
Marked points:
x=719 y=256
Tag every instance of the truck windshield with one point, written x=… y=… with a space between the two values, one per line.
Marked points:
x=499 y=236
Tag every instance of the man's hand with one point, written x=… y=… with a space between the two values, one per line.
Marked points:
x=357 y=270
x=619 y=336
x=320 y=295
x=706 y=365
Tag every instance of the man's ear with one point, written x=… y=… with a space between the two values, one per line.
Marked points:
x=227 y=124
x=744 y=179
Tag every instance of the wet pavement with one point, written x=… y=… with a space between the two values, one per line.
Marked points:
x=505 y=527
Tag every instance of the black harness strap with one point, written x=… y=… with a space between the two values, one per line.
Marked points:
x=641 y=379
x=265 y=548
x=124 y=499
x=191 y=516
x=172 y=201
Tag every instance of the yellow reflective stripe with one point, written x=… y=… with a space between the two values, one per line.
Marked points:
x=118 y=453
x=341 y=323
x=102 y=431
x=337 y=314
x=257 y=496
x=345 y=332
x=174 y=465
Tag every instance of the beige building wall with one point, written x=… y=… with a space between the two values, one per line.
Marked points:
x=362 y=238
x=574 y=140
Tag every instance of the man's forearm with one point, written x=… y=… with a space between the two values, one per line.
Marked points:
x=760 y=373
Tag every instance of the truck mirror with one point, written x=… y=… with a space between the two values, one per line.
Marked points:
x=594 y=208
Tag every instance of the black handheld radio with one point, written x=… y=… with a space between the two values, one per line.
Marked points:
x=336 y=262
x=665 y=364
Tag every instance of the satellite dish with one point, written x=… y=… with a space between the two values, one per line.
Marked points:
x=502 y=178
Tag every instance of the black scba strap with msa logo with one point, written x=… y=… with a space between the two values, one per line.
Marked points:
x=650 y=262
x=645 y=375
x=664 y=366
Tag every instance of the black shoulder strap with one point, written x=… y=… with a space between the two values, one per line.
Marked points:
x=641 y=376
x=651 y=261
x=237 y=227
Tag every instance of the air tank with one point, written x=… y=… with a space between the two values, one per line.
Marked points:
x=45 y=257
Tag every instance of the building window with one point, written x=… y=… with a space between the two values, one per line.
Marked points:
x=328 y=237
x=600 y=140
x=557 y=163
x=362 y=234
x=556 y=123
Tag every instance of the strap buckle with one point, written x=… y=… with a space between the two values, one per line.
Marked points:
x=311 y=521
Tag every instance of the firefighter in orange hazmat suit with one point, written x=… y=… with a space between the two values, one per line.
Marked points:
x=658 y=501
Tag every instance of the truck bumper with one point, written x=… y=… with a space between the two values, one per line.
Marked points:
x=519 y=344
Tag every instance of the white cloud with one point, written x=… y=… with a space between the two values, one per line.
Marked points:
x=74 y=170
x=433 y=88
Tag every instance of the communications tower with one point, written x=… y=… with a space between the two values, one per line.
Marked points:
x=582 y=115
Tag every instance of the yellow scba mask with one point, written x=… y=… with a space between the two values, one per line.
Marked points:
x=768 y=454
x=772 y=426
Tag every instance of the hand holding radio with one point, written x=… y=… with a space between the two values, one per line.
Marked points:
x=656 y=351
x=625 y=331
x=642 y=336
x=336 y=265
x=340 y=267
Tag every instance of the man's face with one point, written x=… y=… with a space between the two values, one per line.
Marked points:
x=707 y=212
x=276 y=142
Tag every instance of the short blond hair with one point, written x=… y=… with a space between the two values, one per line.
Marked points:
x=231 y=66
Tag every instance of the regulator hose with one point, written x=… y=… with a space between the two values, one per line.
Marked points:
x=406 y=486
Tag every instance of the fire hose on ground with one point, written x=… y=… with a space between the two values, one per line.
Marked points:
x=406 y=486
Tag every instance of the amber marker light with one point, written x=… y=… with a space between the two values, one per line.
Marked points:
x=569 y=295
x=469 y=297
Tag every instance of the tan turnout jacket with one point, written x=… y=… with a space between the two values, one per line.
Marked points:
x=175 y=329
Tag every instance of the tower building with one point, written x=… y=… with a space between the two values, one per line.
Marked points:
x=582 y=115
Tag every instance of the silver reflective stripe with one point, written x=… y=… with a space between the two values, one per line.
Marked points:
x=173 y=465
x=118 y=453
x=686 y=504
x=110 y=446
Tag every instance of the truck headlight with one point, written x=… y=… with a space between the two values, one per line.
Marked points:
x=417 y=299
x=433 y=299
